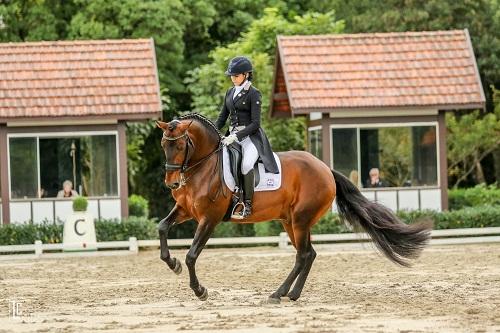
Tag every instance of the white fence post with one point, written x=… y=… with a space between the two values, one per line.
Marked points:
x=38 y=248
x=133 y=245
x=283 y=243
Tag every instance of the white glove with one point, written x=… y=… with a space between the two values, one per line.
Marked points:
x=229 y=139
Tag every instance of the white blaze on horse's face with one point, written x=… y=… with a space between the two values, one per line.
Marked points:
x=175 y=146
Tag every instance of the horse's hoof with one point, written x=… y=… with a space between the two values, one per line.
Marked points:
x=178 y=267
x=292 y=296
x=204 y=295
x=273 y=300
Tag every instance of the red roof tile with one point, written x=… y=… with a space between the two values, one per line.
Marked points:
x=113 y=78
x=407 y=69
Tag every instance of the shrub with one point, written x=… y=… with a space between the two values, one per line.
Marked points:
x=271 y=228
x=114 y=230
x=330 y=223
x=480 y=195
x=143 y=228
x=230 y=229
x=47 y=232
x=80 y=204
x=138 y=206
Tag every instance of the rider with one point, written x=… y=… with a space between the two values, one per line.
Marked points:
x=242 y=103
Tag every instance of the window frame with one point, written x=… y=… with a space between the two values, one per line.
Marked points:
x=312 y=129
x=358 y=127
x=59 y=135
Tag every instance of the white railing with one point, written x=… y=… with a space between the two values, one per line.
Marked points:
x=439 y=237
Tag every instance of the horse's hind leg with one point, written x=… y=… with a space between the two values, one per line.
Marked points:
x=303 y=260
x=308 y=257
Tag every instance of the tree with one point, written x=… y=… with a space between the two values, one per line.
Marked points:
x=471 y=137
x=31 y=20
x=207 y=83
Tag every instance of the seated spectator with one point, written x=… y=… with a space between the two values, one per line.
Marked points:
x=67 y=191
x=375 y=180
x=353 y=177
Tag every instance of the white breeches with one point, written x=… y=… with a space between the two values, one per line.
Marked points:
x=250 y=155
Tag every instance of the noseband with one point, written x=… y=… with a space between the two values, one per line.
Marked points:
x=183 y=167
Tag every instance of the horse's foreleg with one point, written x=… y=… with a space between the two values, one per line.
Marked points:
x=163 y=228
x=203 y=233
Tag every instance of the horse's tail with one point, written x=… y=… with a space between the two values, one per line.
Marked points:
x=397 y=241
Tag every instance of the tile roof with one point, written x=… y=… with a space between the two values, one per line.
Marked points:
x=92 y=78
x=377 y=70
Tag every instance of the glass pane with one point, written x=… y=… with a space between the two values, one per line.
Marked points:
x=315 y=145
x=345 y=152
x=23 y=168
x=88 y=163
x=398 y=156
x=99 y=166
x=424 y=156
x=59 y=162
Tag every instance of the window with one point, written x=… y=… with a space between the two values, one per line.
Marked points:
x=345 y=152
x=40 y=165
x=404 y=156
x=23 y=168
x=314 y=142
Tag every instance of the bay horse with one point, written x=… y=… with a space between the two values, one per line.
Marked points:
x=192 y=147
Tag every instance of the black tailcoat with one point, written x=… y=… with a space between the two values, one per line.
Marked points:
x=245 y=110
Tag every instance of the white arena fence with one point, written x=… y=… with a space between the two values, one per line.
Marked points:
x=132 y=246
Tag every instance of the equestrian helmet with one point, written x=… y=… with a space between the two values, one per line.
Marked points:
x=239 y=65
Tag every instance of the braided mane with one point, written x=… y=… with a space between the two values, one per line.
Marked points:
x=203 y=120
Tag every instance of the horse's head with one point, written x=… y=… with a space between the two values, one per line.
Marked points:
x=178 y=148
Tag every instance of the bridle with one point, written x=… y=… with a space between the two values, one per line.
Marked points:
x=183 y=167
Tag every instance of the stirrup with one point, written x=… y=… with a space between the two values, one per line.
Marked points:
x=238 y=215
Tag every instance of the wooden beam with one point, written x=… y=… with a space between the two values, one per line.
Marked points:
x=4 y=174
x=122 y=160
x=443 y=162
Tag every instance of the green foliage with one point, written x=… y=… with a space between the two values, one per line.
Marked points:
x=80 y=204
x=143 y=228
x=138 y=206
x=32 y=20
x=480 y=195
x=330 y=223
x=207 y=83
x=471 y=137
x=114 y=230
x=469 y=217
x=229 y=229
x=14 y=234
x=163 y=20
x=270 y=228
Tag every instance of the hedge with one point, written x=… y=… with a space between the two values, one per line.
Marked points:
x=480 y=195
x=106 y=230
x=143 y=228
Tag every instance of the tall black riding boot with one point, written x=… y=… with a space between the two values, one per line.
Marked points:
x=248 y=188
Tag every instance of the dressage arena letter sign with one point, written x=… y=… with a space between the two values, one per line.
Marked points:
x=79 y=233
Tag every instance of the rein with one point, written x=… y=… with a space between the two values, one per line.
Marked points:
x=183 y=167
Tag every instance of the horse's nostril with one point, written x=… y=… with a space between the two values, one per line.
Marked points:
x=173 y=186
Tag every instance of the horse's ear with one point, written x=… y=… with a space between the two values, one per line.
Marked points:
x=162 y=125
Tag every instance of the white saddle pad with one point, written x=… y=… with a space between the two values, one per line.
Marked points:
x=268 y=181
